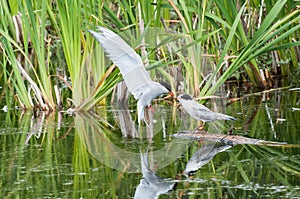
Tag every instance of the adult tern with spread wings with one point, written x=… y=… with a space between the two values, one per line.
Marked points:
x=132 y=69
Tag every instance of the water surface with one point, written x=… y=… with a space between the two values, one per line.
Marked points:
x=98 y=155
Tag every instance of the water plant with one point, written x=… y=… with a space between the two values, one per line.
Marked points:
x=201 y=45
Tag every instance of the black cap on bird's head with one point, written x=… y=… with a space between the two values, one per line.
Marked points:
x=186 y=97
x=168 y=87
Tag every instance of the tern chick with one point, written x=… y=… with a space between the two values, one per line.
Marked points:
x=199 y=111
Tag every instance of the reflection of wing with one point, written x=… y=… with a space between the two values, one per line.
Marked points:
x=151 y=186
x=124 y=57
x=203 y=156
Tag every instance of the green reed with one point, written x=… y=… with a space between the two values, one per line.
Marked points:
x=207 y=41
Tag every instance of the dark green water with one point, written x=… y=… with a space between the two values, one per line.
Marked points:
x=96 y=156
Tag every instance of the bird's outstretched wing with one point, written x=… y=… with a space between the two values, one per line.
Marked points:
x=124 y=57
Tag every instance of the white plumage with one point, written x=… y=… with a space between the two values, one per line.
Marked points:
x=131 y=67
x=200 y=112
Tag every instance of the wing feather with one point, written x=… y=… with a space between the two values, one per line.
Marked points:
x=124 y=57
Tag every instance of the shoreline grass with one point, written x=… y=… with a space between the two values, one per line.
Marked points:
x=208 y=42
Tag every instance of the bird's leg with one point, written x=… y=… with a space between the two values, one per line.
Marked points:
x=200 y=127
x=151 y=108
x=230 y=131
x=148 y=117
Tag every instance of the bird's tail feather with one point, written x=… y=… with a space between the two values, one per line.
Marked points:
x=221 y=116
x=231 y=118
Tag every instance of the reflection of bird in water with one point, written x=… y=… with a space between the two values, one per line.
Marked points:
x=203 y=156
x=132 y=69
x=151 y=186
x=200 y=112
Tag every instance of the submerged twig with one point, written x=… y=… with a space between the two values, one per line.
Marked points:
x=67 y=132
x=227 y=139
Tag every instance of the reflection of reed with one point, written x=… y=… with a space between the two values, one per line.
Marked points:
x=97 y=137
x=122 y=115
x=124 y=118
x=67 y=132
x=254 y=110
x=36 y=126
